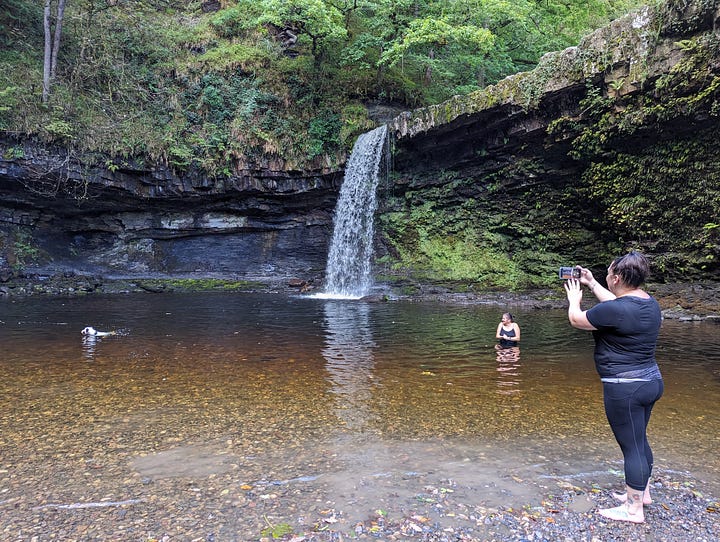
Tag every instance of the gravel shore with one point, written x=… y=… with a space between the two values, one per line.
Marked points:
x=680 y=513
x=170 y=511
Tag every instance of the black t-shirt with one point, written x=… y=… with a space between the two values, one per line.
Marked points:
x=626 y=335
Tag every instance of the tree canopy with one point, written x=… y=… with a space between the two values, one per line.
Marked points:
x=208 y=87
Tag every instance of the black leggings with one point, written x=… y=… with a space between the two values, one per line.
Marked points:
x=628 y=407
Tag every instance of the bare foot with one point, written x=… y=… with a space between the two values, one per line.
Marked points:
x=622 y=513
x=622 y=497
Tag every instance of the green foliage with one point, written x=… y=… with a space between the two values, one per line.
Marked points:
x=424 y=36
x=180 y=156
x=59 y=130
x=323 y=132
x=277 y=531
x=238 y=20
x=24 y=251
x=661 y=197
x=236 y=56
x=20 y=24
x=8 y=99
x=218 y=91
x=12 y=153
x=353 y=121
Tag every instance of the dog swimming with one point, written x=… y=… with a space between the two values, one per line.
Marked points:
x=89 y=330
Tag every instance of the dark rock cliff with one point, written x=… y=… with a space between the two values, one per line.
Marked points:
x=58 y=213
x=604 y=147
x=570 y=162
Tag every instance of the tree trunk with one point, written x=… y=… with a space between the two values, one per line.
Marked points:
x=429 y=68
x=52 y=45
x=56 y=39
x=48 y=53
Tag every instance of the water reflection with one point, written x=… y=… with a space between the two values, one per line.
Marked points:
x=89 y=342
x=508 y=368
x=349 y=358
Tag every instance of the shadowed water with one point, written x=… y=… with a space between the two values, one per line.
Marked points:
x=201 y=398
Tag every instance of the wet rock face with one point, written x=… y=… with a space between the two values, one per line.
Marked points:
x=58 y=215
x=487 y=141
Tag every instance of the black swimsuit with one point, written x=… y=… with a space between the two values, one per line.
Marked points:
x=505 y=343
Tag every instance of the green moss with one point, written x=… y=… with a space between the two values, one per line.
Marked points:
x=659 y=199
x=198 y=285
x=431 y=236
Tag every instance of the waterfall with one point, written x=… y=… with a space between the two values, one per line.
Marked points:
x=348 y=267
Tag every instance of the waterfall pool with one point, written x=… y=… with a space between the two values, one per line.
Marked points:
x=230 y=412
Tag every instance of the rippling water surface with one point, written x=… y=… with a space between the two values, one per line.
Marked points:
x=337 y=399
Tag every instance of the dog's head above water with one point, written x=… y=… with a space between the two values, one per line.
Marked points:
x=91 y=331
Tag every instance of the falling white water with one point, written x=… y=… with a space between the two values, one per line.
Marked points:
x=348 y=267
